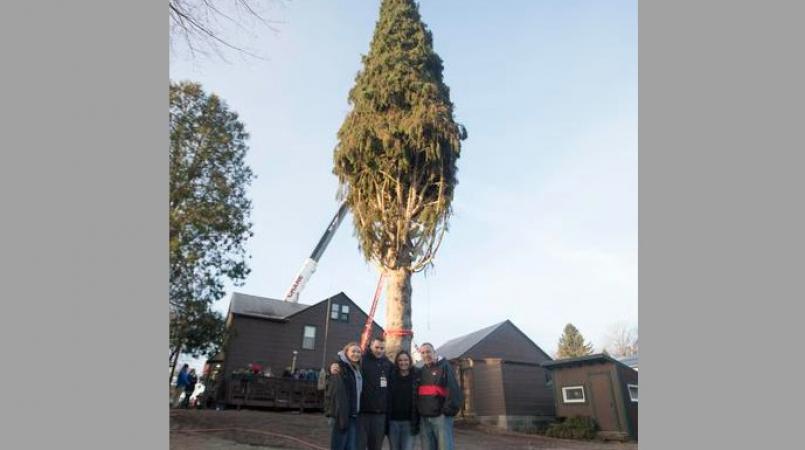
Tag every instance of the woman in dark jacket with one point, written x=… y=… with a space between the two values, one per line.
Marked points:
x=403 y=417
x=343 y=399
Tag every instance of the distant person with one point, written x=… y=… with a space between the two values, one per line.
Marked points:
x=197 y=398
x=181 y=383
x=376 y=370
x=439 y=400
x=192 y=379
x=403 y=416
x=343 y=398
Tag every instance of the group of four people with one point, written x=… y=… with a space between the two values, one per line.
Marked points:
x=368 y=398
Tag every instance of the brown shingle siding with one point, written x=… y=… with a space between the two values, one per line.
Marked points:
x=272 y=342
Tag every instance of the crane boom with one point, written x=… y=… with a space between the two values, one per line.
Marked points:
x=309 y=266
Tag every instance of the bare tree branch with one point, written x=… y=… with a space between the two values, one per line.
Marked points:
x=196 y=23
x=621 y=340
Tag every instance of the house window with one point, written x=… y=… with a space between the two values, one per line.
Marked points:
x=339 y=312
x=573 y=394
x=309 y=338
x=632 y=392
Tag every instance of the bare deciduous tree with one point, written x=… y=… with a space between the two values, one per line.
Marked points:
x=621 y=340
x=204 y=26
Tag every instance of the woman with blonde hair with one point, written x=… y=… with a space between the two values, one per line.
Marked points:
x=343 y=398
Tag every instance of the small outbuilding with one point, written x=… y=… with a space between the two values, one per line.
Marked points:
x=630 y=360
x=500 y=373
x=600 y=387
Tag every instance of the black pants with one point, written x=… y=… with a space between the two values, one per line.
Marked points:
x=371 y=431
x=186 y=401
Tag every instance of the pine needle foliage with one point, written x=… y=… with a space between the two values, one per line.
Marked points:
x=398 y=146
x=572 y=345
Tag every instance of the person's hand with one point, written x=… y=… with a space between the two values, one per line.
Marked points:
x=335 y=369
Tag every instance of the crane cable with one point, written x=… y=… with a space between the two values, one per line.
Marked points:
x=367 y=329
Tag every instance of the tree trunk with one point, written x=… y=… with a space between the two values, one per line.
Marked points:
x=398 y=311
x=175 y=358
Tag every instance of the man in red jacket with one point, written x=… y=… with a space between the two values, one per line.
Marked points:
x=439 y=400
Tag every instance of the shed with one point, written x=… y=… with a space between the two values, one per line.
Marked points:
x=600 y=387
x=500 y=373
x=630 y=360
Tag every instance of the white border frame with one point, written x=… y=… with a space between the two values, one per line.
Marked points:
x=629 y=388
x=583 y=398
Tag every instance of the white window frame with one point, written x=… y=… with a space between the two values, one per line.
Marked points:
x=629 y=387
x=335 y=309
x=344 y=313
x=305 y=337
x=583 y=398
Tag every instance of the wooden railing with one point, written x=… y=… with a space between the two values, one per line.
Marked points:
x=273 y=392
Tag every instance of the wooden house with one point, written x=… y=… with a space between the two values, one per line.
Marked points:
x=277 y=335
x=600 y=387
x=499 y=369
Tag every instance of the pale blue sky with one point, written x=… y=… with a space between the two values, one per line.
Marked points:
x=545 y=224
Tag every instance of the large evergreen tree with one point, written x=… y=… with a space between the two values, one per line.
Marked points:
x=208 y=215
x=572 y=345
x=396 y=157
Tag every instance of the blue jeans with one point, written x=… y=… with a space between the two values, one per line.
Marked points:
x=437 y=433
x=346 y=439
x=400 y=437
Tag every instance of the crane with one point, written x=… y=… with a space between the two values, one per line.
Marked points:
x=309 y=266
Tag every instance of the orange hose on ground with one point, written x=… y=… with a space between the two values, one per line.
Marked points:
x=284 y=436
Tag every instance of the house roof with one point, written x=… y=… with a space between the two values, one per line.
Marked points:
x=268 y=308
x=273 y=309
x=630 y=361
x=455 y=348
x=582 y=360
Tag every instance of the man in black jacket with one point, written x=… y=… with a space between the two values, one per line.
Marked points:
x=439 y=400
x=374 y=397
x=376 y=370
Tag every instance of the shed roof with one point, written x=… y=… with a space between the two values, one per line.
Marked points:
x=461 y=346
x=582 y=360
x=630 y=361
x=457 y=347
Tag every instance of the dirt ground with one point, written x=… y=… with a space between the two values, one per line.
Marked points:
x=267 y=430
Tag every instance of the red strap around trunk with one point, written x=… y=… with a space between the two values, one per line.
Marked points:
x=398 y=332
